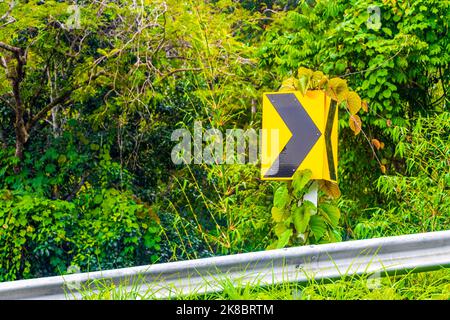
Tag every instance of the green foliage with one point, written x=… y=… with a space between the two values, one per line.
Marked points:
x=281 y=198
x=299 y=182
x=419 y=201
x=33 y=230
x=334 y=36
x=298 y=221
x=424 y=190
x=41 y=237
x=399 y=70
x=95 y=187
x=112 y=230
x=226 y=205
x=421 y=286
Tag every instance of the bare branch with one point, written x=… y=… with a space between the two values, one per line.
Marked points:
x=9 y=48
x=62 y=98
x=181 y=70
x=78 y=187
x=7 y=103
x=3 y=62
x=43 y=112
x=7 y=16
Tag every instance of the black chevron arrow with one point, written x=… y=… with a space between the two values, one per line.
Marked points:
x=304 y=135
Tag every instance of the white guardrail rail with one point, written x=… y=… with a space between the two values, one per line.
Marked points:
x=392 y=255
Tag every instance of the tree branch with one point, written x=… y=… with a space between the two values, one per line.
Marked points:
x=77 y=188
x=43 y=112
x=3 y=62
x=41 y=86
x=180 y=70
x=8 y=15
x=7 y=103
x=62 y=98
x=9 y=48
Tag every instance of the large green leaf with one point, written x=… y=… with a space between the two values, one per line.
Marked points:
x=279 y=215
x=279 y=229
x=318 y=226
x=300 y=179
x=301 y=217
x=283 y=240
x=281 y=198
x=334 y=236
x=332 y=213
x=303 y=84
x=308 y=205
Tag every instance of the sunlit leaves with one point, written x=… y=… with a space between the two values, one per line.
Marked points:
x=290 y=84
x=281 y=198
x=318 y=226
x=304 y=76
x=299 y=181
x=331 y=212
x=301 y=217
x=330 y=188
x=317 y=77
x=353 y=102
x=284 y=238
x=279 y=229
x=303 y=84
x=279 y=215
x=309 y=79
x=365 y=106
x=305 y=72
x=337 y=89
x=355 y=124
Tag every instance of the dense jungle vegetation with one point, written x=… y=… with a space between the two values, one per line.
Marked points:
x=91 y=93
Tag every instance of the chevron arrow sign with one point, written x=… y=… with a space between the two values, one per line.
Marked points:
x=299 y=132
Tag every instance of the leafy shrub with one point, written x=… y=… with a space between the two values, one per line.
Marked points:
x=99 y=230
x=380 y=63
x=111 y=230
x=225 y=206
x=400 y=69
x=298 y=221
x=417 y=201
x=33 y=234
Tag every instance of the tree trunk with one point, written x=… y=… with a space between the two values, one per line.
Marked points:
x=16 y=77
x=21 y=140
x=3 y=143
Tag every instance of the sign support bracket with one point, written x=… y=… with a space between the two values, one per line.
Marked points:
x=313 y=193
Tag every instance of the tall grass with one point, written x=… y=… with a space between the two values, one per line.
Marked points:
x=410 y=286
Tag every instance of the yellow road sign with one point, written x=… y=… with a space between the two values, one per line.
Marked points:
x=299 y=132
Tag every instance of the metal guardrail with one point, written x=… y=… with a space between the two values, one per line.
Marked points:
x=393 y=255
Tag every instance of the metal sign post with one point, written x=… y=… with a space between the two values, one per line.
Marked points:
x=312 y=194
